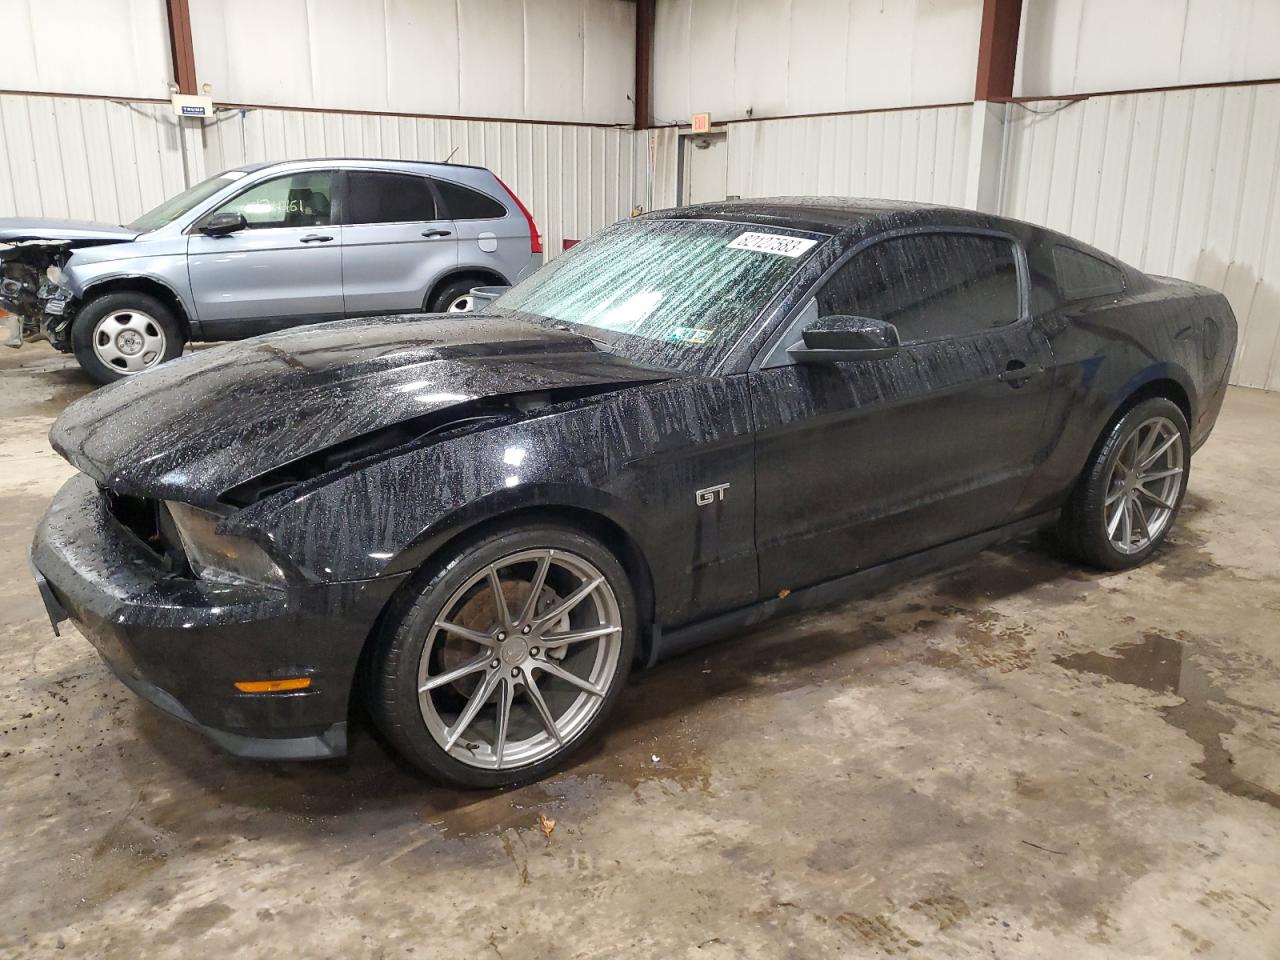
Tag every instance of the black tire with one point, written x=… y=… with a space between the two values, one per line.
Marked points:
x=1082 y=529
x=96 y=311
x=393 y=699
x=453 y=289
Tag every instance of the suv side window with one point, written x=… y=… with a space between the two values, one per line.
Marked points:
x=463 y=203
x=296 y=200
x=1081 y=276
x=930 y=285
x=378 y=197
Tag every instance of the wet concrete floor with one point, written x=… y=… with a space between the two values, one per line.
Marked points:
x=1014 y=758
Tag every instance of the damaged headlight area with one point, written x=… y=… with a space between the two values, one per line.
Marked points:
x=219 y=557
x=32 y=291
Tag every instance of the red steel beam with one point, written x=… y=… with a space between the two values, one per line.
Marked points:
x=998 y=49
x=644 y=64
x=181 y=48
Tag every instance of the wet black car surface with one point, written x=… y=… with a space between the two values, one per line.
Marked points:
x=732 y=477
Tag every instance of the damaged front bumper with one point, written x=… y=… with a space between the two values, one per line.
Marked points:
x=182 y=643
x=38 y=306
x=44 y=314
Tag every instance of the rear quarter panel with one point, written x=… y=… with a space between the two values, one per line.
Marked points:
x=1106 y=349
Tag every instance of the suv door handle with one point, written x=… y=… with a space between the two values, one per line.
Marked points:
x=1016 y=373
x=437 y=232
x=315 y=238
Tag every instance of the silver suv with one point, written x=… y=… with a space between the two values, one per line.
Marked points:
x=259 y=248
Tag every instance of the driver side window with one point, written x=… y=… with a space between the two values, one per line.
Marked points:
x=930 y=286
x=296 y=200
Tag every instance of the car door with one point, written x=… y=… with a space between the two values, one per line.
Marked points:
x=866 y=461
x=283 y=268
x=395 y=242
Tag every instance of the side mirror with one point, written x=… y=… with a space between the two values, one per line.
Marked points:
x=836 y=339
x=221 y=224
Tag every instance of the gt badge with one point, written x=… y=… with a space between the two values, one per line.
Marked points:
x=710 y=495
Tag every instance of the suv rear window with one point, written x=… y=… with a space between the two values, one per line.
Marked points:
x=463 y=203
x=388 y=198
x=1081 y=276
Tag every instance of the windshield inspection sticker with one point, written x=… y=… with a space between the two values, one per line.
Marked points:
x=772 y=243
x=689 y=335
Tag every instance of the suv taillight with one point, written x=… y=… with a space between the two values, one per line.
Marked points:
x=535 y=239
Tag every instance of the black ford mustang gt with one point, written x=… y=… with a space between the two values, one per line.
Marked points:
x=698 y=418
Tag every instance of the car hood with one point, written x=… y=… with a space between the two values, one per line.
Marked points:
x=218 y=418
x=21 y=229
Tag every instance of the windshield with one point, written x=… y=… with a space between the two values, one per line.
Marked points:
x=669 y=293
x=175 y=207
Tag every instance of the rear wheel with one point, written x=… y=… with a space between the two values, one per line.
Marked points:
x=1132 y=489
x=122 y=334
x=454 y=296
x=507 y=658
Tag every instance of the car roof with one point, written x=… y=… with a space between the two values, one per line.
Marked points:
x=833 y=215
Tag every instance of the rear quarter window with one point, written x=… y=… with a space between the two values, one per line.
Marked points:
x=463 y=203
x=1081 y=277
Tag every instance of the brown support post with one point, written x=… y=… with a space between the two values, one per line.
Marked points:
x=998 y=49
x=181 y=47
x=644 y=64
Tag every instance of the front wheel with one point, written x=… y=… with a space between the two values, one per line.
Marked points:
x=1132 y=488
x=507 y=658
x=122 y=334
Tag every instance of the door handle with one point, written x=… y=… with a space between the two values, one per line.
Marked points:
x=437 y=232
x=1016 y=373
x=315 y=238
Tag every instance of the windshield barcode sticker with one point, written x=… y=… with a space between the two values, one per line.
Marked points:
x=772 y=243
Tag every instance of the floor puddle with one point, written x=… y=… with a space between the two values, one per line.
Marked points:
x=1159 y=663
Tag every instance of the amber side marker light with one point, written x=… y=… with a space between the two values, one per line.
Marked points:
x=273 y=686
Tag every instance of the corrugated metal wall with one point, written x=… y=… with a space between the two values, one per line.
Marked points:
x=1181 y=183
x=86 y=158
x=904 y=154
x=574 y=179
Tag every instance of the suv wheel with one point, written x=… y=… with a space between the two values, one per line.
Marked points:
x=121 y=334
x=454 y=296
x=507 y=658
x=1132 y=489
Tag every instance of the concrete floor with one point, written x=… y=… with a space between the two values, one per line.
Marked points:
x=1014 y=759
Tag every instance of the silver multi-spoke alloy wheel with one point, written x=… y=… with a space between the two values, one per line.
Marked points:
x=129 y=341
x=520 y=659
x=461 y=304
x=1143 y=485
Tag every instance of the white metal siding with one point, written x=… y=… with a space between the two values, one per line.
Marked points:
x=902 y=155
x=1083 y=46
x=769 y=58
x=86 y=158
x=566 y=60
x=115 y=48
x=1180 y=183
x=573 y=179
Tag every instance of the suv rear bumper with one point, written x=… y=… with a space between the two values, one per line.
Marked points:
x=183 y=643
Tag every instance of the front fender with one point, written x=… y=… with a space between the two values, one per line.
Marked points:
x=505 y=502
x=169 y=271
x=635 y=458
